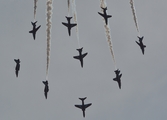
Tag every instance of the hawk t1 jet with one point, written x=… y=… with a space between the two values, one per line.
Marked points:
x=81 y=56
x=34 y=30
x=17 y=68
x=104 y=15
x=118 y=77
x=46 y=89
x=83 y=106
x=69 y=25
x=140 y=43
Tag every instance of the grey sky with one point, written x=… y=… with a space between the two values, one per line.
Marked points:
x=143 y=93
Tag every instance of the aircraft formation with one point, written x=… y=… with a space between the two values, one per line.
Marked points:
x=81 y=55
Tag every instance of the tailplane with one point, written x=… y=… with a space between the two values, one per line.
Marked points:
x=83 y=98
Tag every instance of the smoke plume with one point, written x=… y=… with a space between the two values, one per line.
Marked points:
x=35 y=7
x=103 y=4
x=75 y=19
x=68 y=2
x=134 y=16
x=48 y=30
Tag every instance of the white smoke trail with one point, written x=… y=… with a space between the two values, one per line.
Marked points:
x=108 y=35
x=103 y=4
x=35 y=7
x=48 y=30
x=68 y=2
x=75 y=19
x=134 y=16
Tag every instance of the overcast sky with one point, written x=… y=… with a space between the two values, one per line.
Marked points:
x=144 y=79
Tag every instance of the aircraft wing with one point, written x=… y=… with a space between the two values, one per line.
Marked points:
x=87 y=105
x=83 y=55
x=101 y=14
x=78 y=106
x=108 y=16
x=72 y=25
x=115 y=79
x=76 y=57
x=120 y=75
x=65 y=24
x=138 y=43
x=38 y=27
x=15 y=60
x=31 y=31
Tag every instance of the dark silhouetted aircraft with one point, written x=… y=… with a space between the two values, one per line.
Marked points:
x=46 y=89
x=118 y=77
x=69 y=25
x=17 y=68
x=81 y=56
x=34 y=30
x=83 y=106
x=104 y=15
x=140 y=43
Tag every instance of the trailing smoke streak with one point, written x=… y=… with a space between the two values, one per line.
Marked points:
x=103 y=4
x=68 y=2
x=35 y=7
x=108 y=35
x=48 y=30
x=134 y=16
x=75 y=19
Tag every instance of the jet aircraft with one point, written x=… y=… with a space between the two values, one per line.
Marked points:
x=118 y=77
x=81 y=56
x=34 y=30
x=46 y=89
x=104 y=15
x=83 y=106
x=17 y=68
x=69 y=25
x=140 y=43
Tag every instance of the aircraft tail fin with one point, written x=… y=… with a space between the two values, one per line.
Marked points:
x=104 y=8
x=17 y=60
x=45 y=82
x=83 y=98
x=33 y=23
x=68 y=17
x=80 y=49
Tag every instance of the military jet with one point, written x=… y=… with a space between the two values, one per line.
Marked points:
x=83 y=106
x=17 y=68
x=118 y=77
x=46 y=89
x=34 y=30
x=81 y=56
x=69 y=25
x=140 y=43
x=104 y=15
